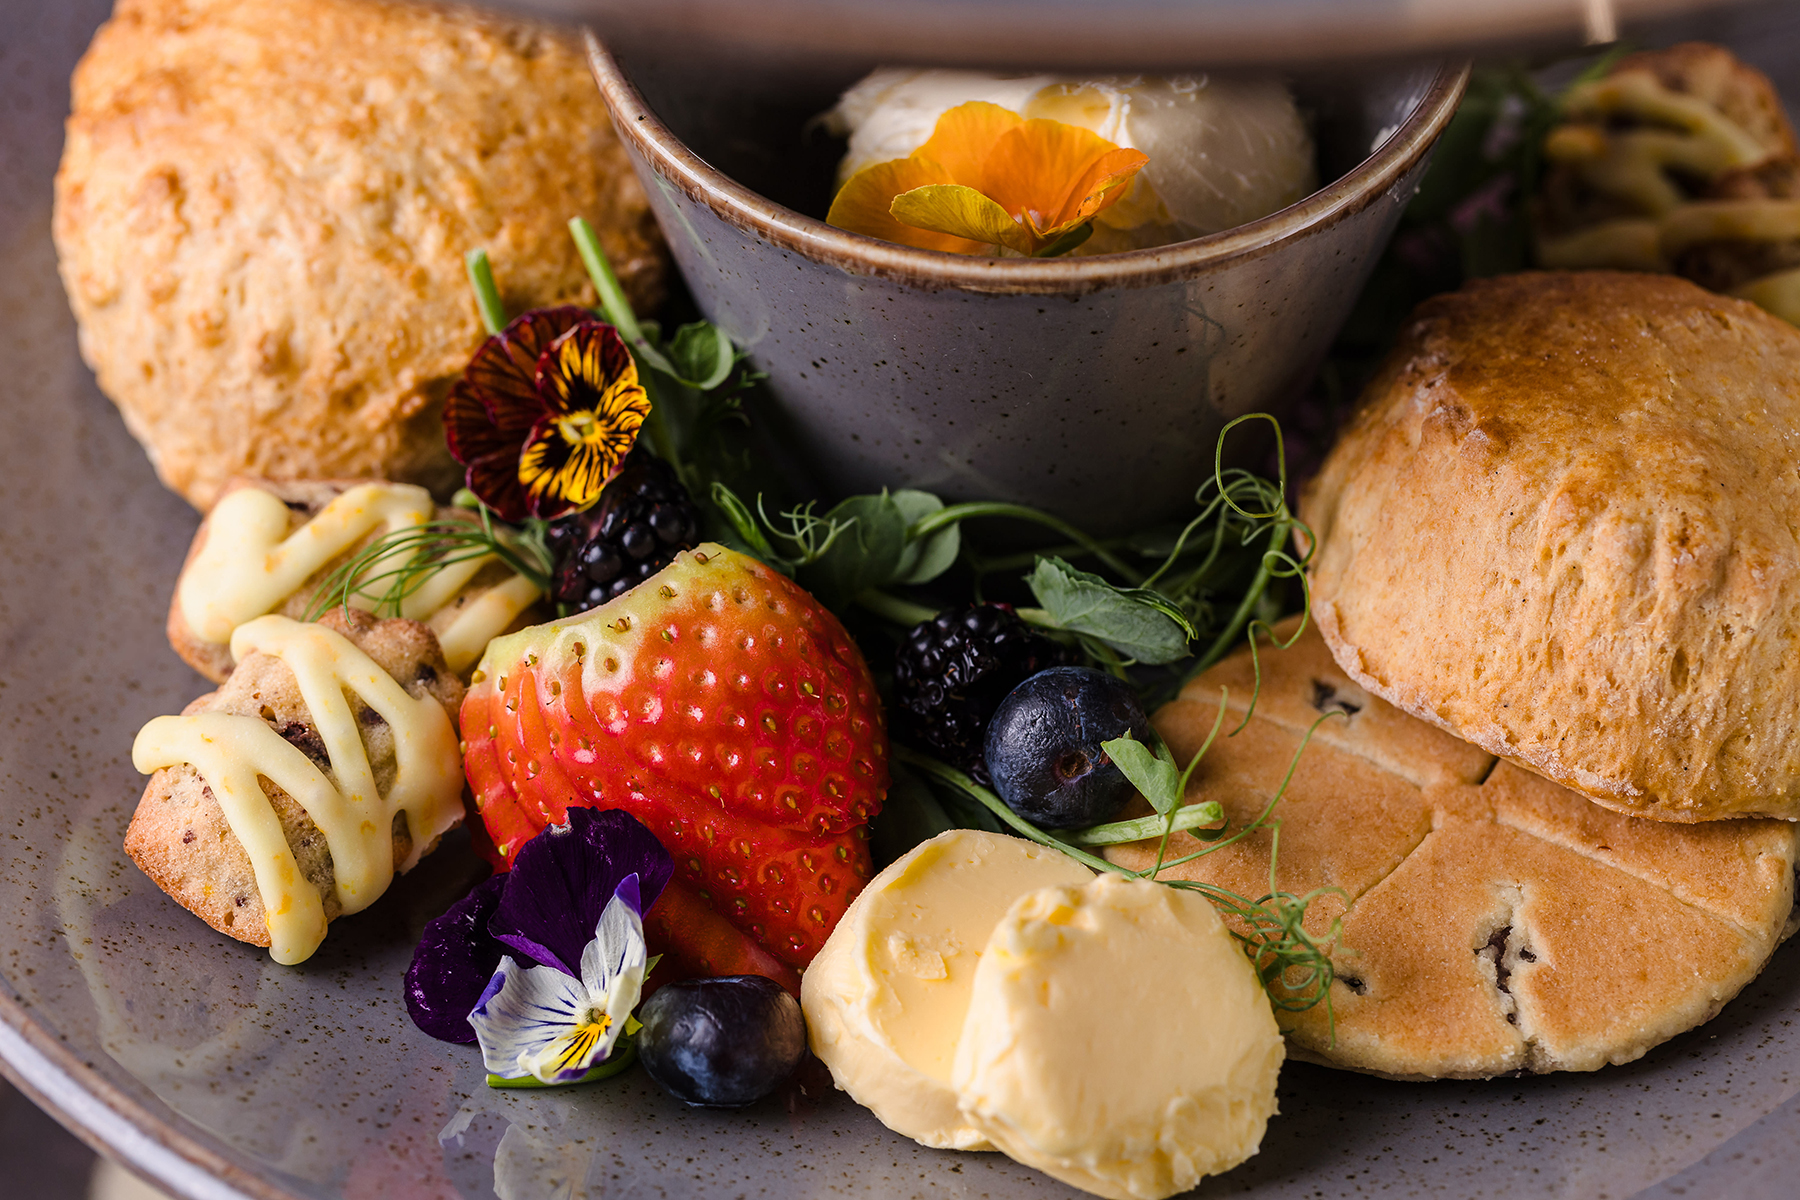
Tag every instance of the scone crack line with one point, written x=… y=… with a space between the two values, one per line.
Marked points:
x=1399 y=862
x=1549 y=837
x=1352 y=748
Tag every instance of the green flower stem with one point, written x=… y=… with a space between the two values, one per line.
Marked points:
x=1013 y=562
x=1277 y=536
x=487 y=294
x=1115 y=833
x=997 y=806
x=893 y=608
x=954 y=513
x=612 y=296
x=623 y=1055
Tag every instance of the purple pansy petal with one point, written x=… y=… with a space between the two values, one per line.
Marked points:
x=455 y=956
x=563 y=879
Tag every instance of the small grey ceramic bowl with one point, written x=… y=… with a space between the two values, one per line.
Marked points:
x=1092 y=387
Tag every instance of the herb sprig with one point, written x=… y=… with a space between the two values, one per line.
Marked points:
x=1162 y=597
x=394 y=567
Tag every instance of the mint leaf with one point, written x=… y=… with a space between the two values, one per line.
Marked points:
x=1137 y=622
x=1151 y=772
x=701 y=355
x=926 y=558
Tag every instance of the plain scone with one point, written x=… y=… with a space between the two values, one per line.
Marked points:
x=1564 y=525
x=179 y=836
x=262 y=212
x=1492 y=921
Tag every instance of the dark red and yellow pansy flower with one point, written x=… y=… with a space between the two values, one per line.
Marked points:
x=545 y=413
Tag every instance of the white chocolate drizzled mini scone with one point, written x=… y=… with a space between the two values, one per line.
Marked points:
x=1564 y=525
x=269 y=547
x=1679 y=160
x=1495 y=922
x=328 y=761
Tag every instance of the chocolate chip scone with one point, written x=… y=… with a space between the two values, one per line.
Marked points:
x=354 y=714
x=1493 y=922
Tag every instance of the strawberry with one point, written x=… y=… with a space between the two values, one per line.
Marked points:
x=725 y=708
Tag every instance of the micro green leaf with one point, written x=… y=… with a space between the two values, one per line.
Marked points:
x=383 y=574
x=702 y=355
x=1151 y=771
x=867 y=554
x=925 y=557
x=1136 y=829
x=743 y=523
x=1137 y=622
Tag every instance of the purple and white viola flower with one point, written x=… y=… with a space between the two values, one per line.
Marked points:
x=543 y=1022
x=542 y=966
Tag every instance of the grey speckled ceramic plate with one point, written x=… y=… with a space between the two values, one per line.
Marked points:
x=220 y=1074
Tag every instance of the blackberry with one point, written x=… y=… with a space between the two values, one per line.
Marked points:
x=643 y=518
x=952 y=672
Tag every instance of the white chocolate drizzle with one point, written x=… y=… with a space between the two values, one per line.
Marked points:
x=1676 y=132
x=250 y=563
x=232 y=751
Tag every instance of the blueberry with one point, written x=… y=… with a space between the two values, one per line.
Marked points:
x=723 y=1042
x=1043 y=746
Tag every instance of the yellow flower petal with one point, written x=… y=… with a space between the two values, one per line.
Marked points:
x=962 y=212
x=863 y=205
x=1049 y=173
x=964 y=137
x=1104 y=184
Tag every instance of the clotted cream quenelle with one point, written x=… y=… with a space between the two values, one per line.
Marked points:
x=1118 y=1039
x=885 y=999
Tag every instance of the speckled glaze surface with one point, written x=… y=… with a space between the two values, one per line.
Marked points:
x=1093 y=387
x=222 y=1075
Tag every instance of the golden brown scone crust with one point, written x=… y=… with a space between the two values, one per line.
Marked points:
x=1564 y=524
x=1495 y=923
x=304 y=499
x=263 y=208
x=179 y=835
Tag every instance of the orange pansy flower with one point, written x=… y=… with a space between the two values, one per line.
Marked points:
x=989 y=181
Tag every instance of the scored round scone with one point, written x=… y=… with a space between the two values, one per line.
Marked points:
x=1495 y=922
x=262 y=212
x=1564 y=524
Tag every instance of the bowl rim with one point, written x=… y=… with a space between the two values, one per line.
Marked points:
x=670 y=158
